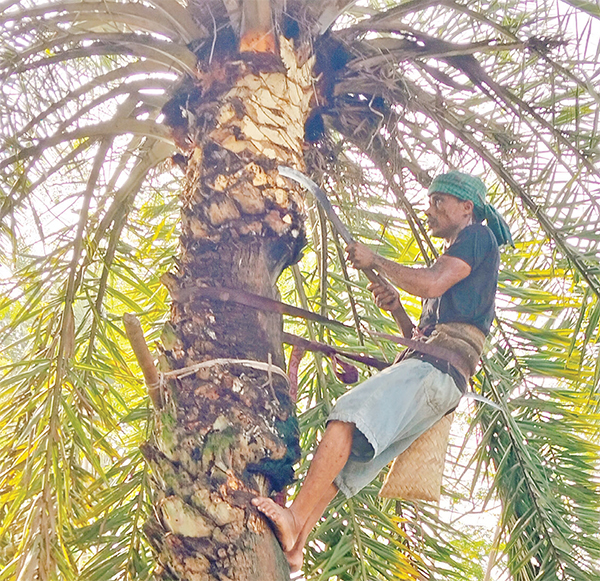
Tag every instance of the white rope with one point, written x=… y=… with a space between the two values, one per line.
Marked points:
x=269 y=367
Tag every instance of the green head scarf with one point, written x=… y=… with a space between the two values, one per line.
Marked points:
x=470 y=188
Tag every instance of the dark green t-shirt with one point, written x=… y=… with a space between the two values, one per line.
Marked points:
x=472 y=299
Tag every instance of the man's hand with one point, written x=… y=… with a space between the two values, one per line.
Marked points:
x=360 y=256
x=386 y=296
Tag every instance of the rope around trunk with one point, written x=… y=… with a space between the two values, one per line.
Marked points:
x=269 y=367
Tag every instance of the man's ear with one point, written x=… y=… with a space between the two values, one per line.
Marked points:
x=469 y=206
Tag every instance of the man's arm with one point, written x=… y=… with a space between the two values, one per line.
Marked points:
x=388 y=299
x=426 y=282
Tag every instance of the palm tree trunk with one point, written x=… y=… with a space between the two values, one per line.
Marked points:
x=227 y=432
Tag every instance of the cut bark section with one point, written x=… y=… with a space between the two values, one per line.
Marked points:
x=257 y=33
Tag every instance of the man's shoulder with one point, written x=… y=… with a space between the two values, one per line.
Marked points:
x=479 y=229
x=479 y=234
x=475 y=245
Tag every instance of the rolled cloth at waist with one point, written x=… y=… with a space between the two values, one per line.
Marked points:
x=463 y=340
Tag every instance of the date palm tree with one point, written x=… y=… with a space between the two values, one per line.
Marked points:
x=138 y=173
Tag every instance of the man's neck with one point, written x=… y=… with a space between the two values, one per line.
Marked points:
x=451 y=238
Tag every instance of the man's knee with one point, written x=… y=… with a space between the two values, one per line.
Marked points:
x=349 y=436
x=341 y=433
x=339 y=427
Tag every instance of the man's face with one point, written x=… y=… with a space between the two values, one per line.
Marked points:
x=446 y=215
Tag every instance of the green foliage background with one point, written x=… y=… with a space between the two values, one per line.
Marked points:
x=88 y=223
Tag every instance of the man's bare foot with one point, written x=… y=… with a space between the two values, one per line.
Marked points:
x=295 y=558
x=283 y=520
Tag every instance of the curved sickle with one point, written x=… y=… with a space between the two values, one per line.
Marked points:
x=322 y=199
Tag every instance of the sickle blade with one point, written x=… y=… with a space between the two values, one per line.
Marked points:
x=322 y=199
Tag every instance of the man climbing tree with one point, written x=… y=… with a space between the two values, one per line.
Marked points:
x=379 y=419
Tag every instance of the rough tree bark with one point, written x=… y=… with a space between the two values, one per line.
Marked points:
x=227 y=431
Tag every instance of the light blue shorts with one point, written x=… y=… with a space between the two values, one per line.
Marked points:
x=390 y=411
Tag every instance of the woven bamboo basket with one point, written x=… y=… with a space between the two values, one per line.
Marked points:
x=416 y=474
